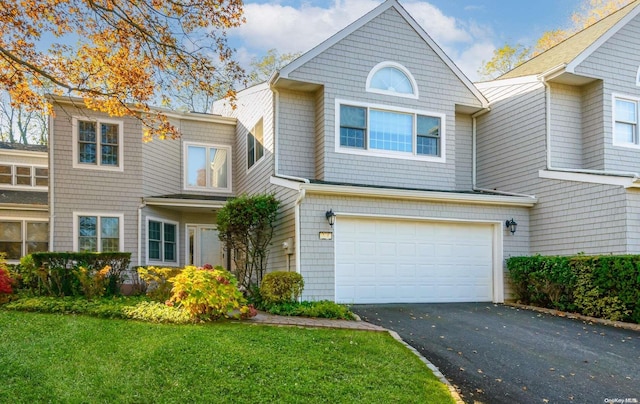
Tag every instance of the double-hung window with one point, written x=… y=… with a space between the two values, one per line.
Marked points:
x=625 y=130
x=98 y=232
x=207 y=167
x=97 y=144
x=162 y=237
x=255 y=145
x=22 y=237
x=395 y=133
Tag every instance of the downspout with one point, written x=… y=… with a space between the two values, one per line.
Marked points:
x=474 y=158
x=51 y=187
x=301 y=196
x=543 y=79
x=140 y=207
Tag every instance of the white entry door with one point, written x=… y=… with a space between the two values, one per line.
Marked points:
x=403 y=261
x=204 y=246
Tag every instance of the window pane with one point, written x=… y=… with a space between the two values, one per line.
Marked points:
x=109 y=155
x=259 y=135
x=110 y=245
x=390 y=131
x=87 y=233
x=109 y=133
x=42 y=177
x=33 y=246
x=428 y=126
x=626 y=111
x=196 y=160
x=154 y=230
x=170 y=252
x=38 y=231
x=427 y=146
x=352 y=137
x=6 y=176
x=169 y=232
x=353 y=117
x=154 y=250
x=392 y=79
x=251 y=148
x=13 y=251
x=87 y=153
x=87 y=132
x=625 y=132
x=23 y=175
x=218 y=164
x=109 y=227
x=109 y=144
x=11 y=239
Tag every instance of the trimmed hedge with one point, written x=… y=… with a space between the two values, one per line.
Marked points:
x=599 y=286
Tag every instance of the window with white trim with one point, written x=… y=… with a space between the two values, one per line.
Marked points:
x=162 y=241
x=97 y=144
x=20 y=175
x=22 y=237
x=625 y=130
x=375 y=129
x=392 y=79
x=98 y=233
x=255 y=144
x=207 y=167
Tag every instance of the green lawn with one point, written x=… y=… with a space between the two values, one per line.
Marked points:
x=79 y=359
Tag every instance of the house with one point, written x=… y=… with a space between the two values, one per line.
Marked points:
x=399 y=179
x=24 y=217
x=564 y=127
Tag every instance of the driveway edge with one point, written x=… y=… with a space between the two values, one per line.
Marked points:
x=454 y=393
x=553 y=312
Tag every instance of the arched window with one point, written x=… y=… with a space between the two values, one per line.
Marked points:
x=393 y=79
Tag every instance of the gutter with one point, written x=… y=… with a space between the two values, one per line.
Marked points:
x=51 y=186
x=140 y=207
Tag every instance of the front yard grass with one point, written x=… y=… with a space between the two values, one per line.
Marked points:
x=69 y=359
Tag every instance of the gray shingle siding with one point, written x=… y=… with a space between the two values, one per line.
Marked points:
x=566 y=125
x=593 y=126
x=464 y=150
x=343 y=69
x=297 y=134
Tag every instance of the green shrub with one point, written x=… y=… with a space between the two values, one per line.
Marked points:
x=92 y=282
x=208 y=294
x=157 y=281
x=111 y=307
x=155 y=312
x=316 y=309
x=599 y=286
x=281 y=286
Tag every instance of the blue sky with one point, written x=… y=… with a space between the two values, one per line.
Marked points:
x=467 y=30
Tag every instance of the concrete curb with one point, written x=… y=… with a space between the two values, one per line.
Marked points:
x=576 y=316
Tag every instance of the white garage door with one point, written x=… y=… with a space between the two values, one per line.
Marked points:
x=392 y=261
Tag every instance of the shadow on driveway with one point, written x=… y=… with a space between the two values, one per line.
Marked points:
x=500 y=354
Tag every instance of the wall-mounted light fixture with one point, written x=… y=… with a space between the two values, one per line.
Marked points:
x=331 y=217
x=511 y=225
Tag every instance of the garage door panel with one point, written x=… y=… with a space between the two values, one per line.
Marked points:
x=403 y=261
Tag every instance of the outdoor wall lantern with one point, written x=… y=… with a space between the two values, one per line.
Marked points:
x=331 y=217
x=511 y=225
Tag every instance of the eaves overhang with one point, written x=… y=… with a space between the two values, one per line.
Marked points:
x=470 y=198
x=183 y=203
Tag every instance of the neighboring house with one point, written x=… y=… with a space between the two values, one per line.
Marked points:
x=24 y=216
x=564 y=127
x=378 y=132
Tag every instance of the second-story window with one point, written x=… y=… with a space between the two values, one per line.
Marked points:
x=255 y=145
x=23 y=176
x=98 y=144
x=207 y=167
x=372 y=130
x=625 y=131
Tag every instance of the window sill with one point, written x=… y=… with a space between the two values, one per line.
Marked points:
x=391 y=155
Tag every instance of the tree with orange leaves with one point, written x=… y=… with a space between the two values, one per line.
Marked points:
x=119 y=56
x=508 y=57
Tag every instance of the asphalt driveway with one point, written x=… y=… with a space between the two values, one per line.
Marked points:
x=499 y=354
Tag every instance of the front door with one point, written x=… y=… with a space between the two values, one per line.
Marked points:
x=204 y=246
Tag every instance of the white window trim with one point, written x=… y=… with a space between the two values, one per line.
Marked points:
x=391 y=154
x=74 y=131
x=255 y=163
x=629 y=98
x=23 y=231
x=185 y=153
x=398 y=66
x=99 y=215
x=149 y=261
x=14 y=177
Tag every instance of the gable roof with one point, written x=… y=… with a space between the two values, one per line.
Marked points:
x=359 y=23
x=575 y=49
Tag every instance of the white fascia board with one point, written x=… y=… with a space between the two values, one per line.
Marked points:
x=507 y=82
x=571 y=66
x=188 y=203
x=426 y=196
x=627 y=182
x=285 y=183
x=24 y=153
